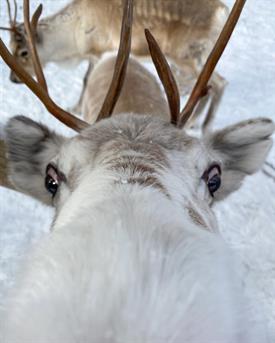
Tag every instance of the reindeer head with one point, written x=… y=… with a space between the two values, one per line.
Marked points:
x=20 y=50
x=19 y=40
x=133 y=151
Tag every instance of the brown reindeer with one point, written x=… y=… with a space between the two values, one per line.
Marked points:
x=185 y=29
x=148 y=99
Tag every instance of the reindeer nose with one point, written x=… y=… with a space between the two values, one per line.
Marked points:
x=14 y=78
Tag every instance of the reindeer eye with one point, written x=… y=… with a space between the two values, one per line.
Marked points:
x=52 y=179
x=23 y=53
x=212 y=178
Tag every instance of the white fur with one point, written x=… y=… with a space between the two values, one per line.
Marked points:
x=127 y=275
x=125 y=262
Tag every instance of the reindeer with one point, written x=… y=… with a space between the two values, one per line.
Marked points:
x=149 y=98
x=134 y=254
x=185 y=29
x=138 y=80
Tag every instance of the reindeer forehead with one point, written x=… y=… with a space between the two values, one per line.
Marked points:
x=141 y=141
x=19 y=36
x=130 y=128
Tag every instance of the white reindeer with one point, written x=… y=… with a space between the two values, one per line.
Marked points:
x=134 y=254
x=138 y=80
x=185 y=29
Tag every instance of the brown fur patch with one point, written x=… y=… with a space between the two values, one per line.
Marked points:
x=141 y=168
x=196 y=217
x=149 y=181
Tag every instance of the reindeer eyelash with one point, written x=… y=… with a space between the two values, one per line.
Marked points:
x=212 y=178
x=53 y=179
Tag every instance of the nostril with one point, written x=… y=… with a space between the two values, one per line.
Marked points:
x=14 y=78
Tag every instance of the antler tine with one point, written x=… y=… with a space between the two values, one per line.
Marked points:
x=35 y=18
x=166 y=77
x=6 y=28
x=30 y=38
x=12 y=27
x=9 y=12
x=200 y=87
x=121 y=62
x=15 y=12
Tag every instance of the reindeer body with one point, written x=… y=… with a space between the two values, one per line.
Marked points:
x=138 y=80
x=186 y=31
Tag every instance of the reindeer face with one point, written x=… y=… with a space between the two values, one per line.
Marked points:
x=20 y=50
x=134 y=152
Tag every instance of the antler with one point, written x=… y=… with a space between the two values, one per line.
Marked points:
x=166 y=77
x=39 y=88
x=12 y=20
x=200 y=87
x=35 y=87
x=34 y=20
x=9 y=11
x=35 y=17
x=15 y=12
x=121 y=62
x=30 y=38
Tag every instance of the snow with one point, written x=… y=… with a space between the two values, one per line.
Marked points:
x=247 y=218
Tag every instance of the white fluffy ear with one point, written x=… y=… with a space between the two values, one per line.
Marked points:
x=242 y=149
x=30 y=146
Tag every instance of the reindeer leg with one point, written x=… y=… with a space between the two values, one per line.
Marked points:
x=194 y=120
x=215 y=93
x=269 y=170
x=77 y=108
x=212 y=99
x=186 y=73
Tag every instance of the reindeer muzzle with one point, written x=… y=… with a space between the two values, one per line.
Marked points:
x=14 y=78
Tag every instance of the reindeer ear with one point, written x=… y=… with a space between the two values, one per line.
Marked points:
x=30 y=147
x=242 y=149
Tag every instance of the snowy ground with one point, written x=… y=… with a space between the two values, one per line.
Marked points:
x=247 y=218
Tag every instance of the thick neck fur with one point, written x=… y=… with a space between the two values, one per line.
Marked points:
x=118 y=268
